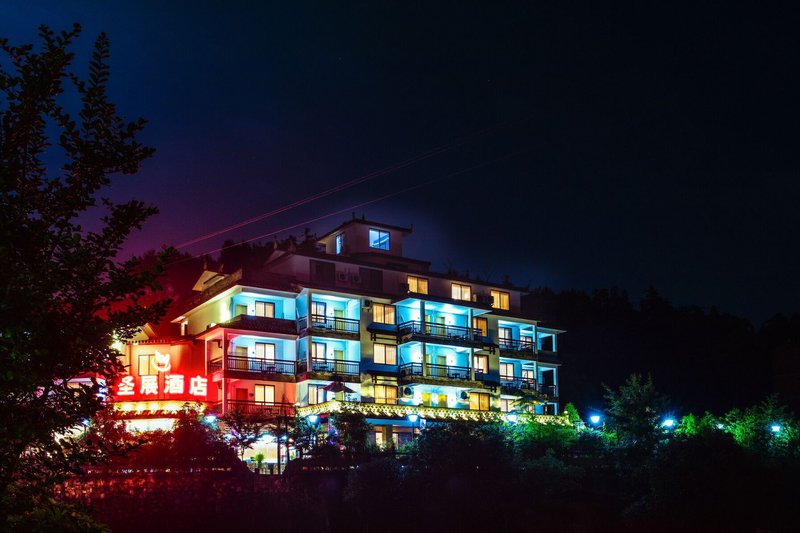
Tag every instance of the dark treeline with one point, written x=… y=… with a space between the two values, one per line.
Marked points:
x=703 y=359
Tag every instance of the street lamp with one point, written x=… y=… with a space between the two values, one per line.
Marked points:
x=313 y=419
x=413 y=418
x=668 y=423
x=595 y=419
x=512 y=417
x=776 y=428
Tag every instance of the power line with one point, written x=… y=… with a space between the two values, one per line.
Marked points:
x=362 y=204
x=361 y=179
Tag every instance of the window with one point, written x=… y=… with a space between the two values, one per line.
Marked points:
x=379 y=239
x=265 y=350
x=318 y=309
x=385 y=354
x=386 y=394
x=318 y=350
x=316 y=394
x=322 y=272
x=339 y=243
x=266 y=309
x=147 y=365
x=504 y=335
x=418 y=285
x=383 y=313
x=265 y=393
x=371 y=279
x=480 y=363
x=479 y=401
x=461 y=292
x=506 y=370
x=506 y=405
x=500 y=299
x=528 y=376
x=481 y=324
x=526 y=341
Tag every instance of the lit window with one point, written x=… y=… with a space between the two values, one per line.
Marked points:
x=265 y=394
x=386 y=394
x=383 y=313
x=264 y=350
x=318 y=350
x=482 y=324
x=318 y=309
x=500 y=299
x=339 y=243
x=479 y=401
x=379 y=239
x=504 y=336
x=316 y=394
x=461 y=292
x=385 y=354
x=266 y=309
x=480 y=363
x=506 y=370
x=147 y=365
x=418 y=285
x=506 y=404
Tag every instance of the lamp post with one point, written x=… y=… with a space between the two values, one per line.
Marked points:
x=413 y=418
x=512 y=417
x=313 y=420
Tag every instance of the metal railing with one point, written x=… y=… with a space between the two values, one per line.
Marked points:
x=442 y=331
x=251 y=407
x=263 y=366
x=448 y=372
x=262 y=323
x=550 y=390
x=410 y=369
x=517 y=345
x=518 y=383
x=333 y=366
x=329 y=324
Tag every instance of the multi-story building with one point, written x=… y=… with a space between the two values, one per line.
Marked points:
x=351 y=321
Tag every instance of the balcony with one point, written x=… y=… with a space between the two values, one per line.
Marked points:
x=259 y=368
x=518 y=385
x=253 y=408
x=329 y=326
x=517 y=347
x=414 y=373
x=262 y=323
x=338 y=367
x=442 y=333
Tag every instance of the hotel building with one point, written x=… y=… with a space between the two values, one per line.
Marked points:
x=349 y=321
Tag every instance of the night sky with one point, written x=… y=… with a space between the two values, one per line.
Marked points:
x=585 y=147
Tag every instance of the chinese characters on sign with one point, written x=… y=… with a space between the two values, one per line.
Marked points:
x=173 y=384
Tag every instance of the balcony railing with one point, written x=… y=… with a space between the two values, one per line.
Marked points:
x=329 y=324
x=550 y=390
x=517 y=345
x=249 y=407
x=262 y=366
x=440 y=331
x=410 y=369
x=333 y=366
x=435 y=371
x=518 y=383
x=262 y=323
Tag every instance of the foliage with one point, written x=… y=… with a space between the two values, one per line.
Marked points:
x=752 y=428
x=65 y=293
x=351 y=430
x=244 y=428
x=532 y=439
x=572 y=413
x=634 y=411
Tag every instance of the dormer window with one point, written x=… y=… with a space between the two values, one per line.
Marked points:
x=461 y=292
x=339 y=243
x=500 y=299
x=378 y=239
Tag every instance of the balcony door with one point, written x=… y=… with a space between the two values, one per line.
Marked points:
x=264 y=357
x=265 y=394
x=504 y=337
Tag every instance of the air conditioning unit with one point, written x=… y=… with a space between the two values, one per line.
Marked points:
x=405 y=392
x=341 y=276
x=464 y=395
x=367 y=304
x=404 y=287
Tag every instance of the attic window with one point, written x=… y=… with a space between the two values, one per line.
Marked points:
x=379 y=239
x=339 y=243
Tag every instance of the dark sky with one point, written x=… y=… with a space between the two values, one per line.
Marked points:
x=609 y=145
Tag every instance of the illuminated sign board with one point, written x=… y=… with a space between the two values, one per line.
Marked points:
x=163 y=384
